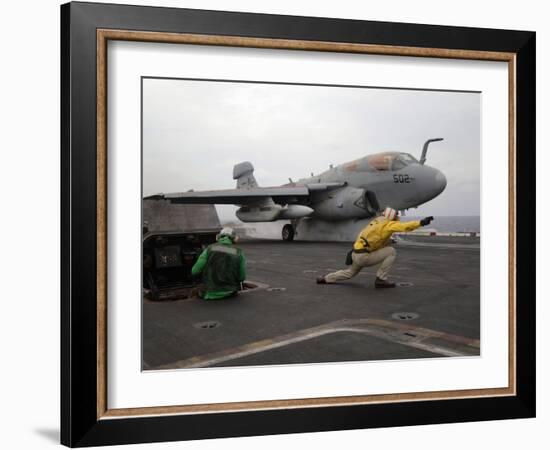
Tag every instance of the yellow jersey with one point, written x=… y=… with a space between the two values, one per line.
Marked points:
x=378 y=232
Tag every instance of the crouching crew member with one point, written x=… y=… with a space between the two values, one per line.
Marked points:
x=222 y=266
x=371 y=248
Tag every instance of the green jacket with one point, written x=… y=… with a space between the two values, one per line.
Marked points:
x=223 y=268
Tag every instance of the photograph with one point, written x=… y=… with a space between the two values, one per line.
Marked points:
x=287 y=223
x=277 y=223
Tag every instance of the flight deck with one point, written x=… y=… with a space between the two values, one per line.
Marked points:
x=284 y=317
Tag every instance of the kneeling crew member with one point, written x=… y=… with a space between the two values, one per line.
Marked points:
x=222 y=265
x=371 y=248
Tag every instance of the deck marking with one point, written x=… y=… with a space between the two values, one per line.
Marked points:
x=399 y=333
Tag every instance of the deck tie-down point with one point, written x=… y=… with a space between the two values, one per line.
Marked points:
x=405 y=316
x=207 y=325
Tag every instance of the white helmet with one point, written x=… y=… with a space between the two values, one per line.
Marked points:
x=227 y=231
x=390 y=213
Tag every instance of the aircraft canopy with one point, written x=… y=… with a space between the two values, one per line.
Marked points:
x=391 y=161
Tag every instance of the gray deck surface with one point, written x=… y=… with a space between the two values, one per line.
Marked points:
x=308 y=323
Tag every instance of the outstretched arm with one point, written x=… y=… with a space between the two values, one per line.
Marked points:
x=396 y=226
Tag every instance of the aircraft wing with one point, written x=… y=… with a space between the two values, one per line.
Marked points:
x=282 y=194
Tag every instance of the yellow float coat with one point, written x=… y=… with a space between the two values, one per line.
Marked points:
x=378 y=232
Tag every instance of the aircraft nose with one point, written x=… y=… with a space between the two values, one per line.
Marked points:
x=440 y=181
x=430 y=182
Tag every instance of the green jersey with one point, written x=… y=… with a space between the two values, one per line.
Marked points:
x=223 y=268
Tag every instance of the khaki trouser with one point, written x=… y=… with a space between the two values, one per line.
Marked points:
x=385 y=255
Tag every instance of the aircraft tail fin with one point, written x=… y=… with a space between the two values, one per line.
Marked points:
x=244 y=174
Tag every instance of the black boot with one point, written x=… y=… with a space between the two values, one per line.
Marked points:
x=380 y=283
x=321 y=280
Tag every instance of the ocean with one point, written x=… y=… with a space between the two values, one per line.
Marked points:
x=452 y=224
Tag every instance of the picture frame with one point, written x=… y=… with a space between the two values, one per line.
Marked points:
x=86 y=418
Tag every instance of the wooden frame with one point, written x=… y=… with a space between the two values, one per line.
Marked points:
x=86 y=418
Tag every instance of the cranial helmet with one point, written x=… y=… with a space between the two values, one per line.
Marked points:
x=390 y=213
x=227 y=231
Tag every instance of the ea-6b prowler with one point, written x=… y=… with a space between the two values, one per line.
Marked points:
x=354 y=190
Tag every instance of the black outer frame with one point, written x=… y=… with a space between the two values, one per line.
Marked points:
x=79 y=423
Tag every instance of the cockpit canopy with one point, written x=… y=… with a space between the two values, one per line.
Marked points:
x=381 y=162
x=390 y=161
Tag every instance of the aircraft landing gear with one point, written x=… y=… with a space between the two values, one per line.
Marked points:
x=288 y=233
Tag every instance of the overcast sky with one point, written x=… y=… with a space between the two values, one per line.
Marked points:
x=195 y=131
